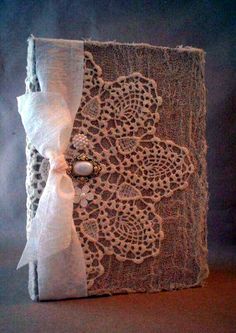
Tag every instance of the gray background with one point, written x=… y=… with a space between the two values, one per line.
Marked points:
x=205 y=24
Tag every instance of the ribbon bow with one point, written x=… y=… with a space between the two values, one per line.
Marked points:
x=48 y=125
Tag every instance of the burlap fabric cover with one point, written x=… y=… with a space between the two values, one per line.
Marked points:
x=142 y=219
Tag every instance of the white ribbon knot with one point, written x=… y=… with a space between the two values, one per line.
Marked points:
x=58 y=163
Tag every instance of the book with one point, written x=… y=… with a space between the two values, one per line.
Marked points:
x=141 y=215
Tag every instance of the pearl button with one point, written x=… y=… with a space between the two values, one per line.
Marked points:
x=82 y=168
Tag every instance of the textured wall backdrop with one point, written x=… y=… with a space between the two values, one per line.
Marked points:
x=205 y=24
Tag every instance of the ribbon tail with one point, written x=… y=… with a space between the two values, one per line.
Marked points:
x=30 y=251
x=52 y=226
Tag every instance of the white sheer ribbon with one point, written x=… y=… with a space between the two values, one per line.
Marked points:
x=48 y=118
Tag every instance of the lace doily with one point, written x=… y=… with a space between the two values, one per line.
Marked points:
x=119 y=119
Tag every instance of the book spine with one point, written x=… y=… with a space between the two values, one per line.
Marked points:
x=31 y=85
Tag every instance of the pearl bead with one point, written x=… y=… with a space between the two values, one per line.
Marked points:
x=82 y=168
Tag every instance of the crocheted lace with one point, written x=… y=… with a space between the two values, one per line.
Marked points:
x=119 y=120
